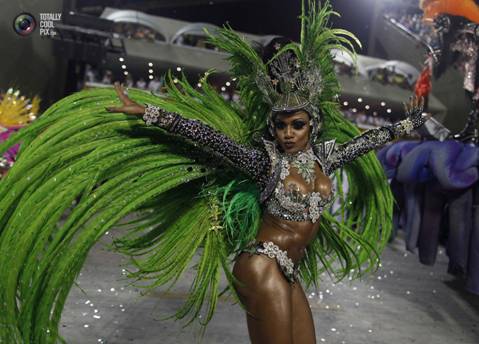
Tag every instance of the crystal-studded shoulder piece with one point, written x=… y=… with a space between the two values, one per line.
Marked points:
x=324 y=151
x=272 y=151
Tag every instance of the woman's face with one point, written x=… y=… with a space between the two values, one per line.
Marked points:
x=292 y=131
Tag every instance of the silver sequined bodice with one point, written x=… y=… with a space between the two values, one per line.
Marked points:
x=289 y=203
x=294 y=206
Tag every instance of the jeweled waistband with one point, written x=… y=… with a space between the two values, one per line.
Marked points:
x=272 y=250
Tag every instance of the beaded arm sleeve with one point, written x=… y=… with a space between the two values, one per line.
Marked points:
x=371 y=139
x=253 y=162
x=360 y=145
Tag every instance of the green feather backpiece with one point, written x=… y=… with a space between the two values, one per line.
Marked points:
x=81 y=170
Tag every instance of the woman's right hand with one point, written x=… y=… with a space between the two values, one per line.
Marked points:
x=128 y=106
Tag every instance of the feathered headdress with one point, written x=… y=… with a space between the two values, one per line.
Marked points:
x=299 y=76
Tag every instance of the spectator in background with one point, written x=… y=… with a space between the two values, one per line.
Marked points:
x=129 y=82
x=141 y=83
x=107 y=77
x=90 y=74
x=155 y=85
x=414 y=23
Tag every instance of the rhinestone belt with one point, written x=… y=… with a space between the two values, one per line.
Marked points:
x=286 y=264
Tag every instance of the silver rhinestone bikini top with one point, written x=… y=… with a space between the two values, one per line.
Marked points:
x=288 y=202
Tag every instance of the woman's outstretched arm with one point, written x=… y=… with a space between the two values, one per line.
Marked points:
x=375 y=138
x=252 y=161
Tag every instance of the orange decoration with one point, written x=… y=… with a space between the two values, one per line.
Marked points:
x=423 y=84
x=464 y=8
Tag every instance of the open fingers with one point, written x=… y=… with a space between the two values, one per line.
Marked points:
x=411 y=104
x=414 y=102
x=120 y=91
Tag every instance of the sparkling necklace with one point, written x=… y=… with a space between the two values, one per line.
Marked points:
x=304 y=161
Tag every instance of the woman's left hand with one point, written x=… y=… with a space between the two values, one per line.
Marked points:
x=414 y=112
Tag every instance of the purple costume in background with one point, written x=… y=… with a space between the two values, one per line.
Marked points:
x=435 y=184
x=12 y=152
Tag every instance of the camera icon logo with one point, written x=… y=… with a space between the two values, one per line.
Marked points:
x=24 y=24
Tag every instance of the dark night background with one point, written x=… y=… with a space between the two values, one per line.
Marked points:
x=279 y=17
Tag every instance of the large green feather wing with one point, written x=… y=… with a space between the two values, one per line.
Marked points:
x=109 y=165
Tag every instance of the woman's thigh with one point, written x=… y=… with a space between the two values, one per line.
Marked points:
x=302 y=318
x=266 y=294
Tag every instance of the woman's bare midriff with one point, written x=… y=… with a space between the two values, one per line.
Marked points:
x=258 y=271
x=291 y=236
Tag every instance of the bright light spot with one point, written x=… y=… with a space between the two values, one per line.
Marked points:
x=345 y=103
x=150 y=71
x=389 y=110
x=175 y=81
x=121 y=59
x=123 y=66
x=223 y=88
x=151 y=77
x=150 y=64
x=125 y=72
x=199 y=84
x=367 y=107
x=383 y=103
x=228 y=83
x=360 y=100
x=178 y=69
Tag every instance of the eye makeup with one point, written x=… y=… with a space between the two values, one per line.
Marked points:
x=298 y=124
